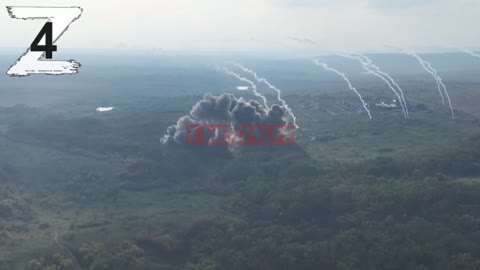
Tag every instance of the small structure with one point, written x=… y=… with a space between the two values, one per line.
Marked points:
x=386 y=106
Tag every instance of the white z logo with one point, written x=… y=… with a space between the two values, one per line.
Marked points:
x=33 y=60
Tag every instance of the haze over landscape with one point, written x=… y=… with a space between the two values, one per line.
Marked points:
x=380 y=98
x=303 y=25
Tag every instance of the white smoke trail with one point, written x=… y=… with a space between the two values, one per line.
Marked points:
x=271 y=86
x=379 y=71
x=440 y=81
x=326 y=67
x=253 y=85
x=441 y=86
x=367 y=66
x=472 y=53
x=427 y=68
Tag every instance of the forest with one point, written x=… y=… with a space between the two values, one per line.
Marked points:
x=116 y=198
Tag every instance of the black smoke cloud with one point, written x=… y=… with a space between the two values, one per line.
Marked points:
x=224 y=109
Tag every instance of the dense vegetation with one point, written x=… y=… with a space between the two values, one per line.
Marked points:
x=279 y=209
x=381 y=214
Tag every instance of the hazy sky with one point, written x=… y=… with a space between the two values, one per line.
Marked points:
x=360 y=25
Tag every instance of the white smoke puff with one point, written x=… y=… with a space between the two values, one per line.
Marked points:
x=105 y=109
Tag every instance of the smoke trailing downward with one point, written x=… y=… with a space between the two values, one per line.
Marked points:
x=442 y=89
x=428 y=69
x=326 y=67
x=224 y=109
x=472 y=53
x=271 y=86
x=386 y=75
x=253 y=85
x=368 y=66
